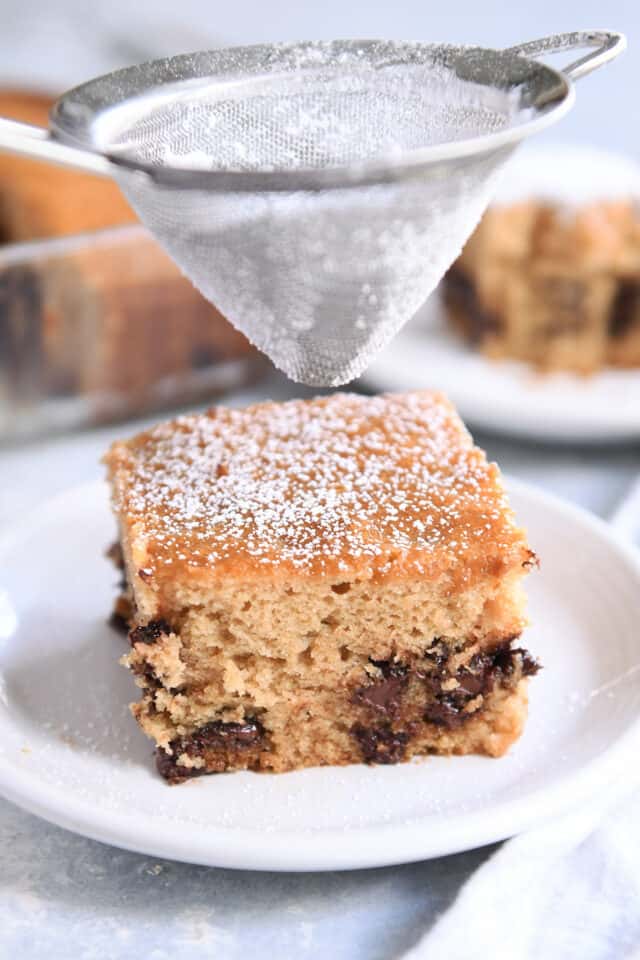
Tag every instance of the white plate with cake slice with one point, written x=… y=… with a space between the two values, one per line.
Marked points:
x=71 y=752
x=504 y=396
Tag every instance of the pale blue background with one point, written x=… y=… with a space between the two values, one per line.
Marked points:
x=62 y=42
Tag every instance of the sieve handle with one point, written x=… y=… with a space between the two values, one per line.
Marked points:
x=606 y=44
x=36 y=142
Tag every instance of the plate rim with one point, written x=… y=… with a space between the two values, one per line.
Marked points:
x=326 y=849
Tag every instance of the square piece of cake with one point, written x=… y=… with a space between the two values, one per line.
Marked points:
x=551 y=275
x=320 y=582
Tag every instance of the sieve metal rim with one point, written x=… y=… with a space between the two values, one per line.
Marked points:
x=74 y=114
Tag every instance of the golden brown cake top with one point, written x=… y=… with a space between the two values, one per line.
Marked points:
x=344 y=486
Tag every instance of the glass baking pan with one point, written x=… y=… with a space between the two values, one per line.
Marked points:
x=101 y=327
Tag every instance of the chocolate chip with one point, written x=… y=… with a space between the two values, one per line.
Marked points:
x=150 y=633
x=114 y=553
x=437 y=656
x=225 y=739
x=390 y=668
x=122 y=614
x=471 y=683
x=444 y=713
x=484 y=671
x=475 y=680
x=146 y=671
x=447 y=708
x=118 y=622
x=384 y=695
x=173 y=772
x=625 y=310
x=145 y=574
x=529 y=666
x=235 y=736
x=381 y=744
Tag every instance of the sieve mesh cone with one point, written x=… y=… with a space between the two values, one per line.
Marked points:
x=315 y=192
x=318 y=279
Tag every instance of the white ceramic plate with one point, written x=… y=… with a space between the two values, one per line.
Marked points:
x=506 y=397
x=70 y=752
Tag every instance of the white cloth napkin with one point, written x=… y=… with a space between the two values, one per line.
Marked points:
x=569 y=890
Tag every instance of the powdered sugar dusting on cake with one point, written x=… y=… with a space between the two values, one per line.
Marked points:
x=316 y=486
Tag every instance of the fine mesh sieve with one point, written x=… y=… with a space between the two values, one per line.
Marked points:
x=315 y=192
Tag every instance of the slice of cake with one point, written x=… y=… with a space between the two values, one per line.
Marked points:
x=320 y=582
x=552 y=274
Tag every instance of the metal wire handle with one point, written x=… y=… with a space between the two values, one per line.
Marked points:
x=607 y=44
x=27 y=140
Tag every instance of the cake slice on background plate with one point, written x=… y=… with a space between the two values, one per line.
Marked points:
x=551 y=276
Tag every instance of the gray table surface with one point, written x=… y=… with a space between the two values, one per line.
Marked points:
x=62 y=895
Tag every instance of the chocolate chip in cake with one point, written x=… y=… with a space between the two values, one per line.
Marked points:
x=214 y=737
x=479 y=678
x=147 y=672
x=150 y=633
x=114 y=553
x=235 y=736
x=474 y=680
x=384 y=695
x=437 y=656
x=529 y=666
x=173 y=772
x=381 y=744
x=122 y=614
x=444 y=712
x=625 y=311
x=448 y=706
x=118 y=622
